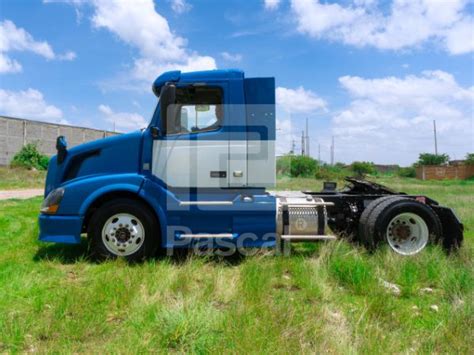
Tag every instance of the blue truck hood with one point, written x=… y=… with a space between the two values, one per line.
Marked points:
x=113 y=155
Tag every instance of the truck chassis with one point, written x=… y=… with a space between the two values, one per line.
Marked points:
x=351 y=210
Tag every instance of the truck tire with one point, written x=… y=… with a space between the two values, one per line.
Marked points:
x=362 y=229
x=405 y=224
x=123 y=228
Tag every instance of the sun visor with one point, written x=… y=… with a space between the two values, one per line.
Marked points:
x=170 y=76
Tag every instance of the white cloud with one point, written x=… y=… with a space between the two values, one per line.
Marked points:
x=69 y=55
x=29 y=104
x=299 y=100
x=8 y=65
x=409 y=23
x=284 y=136
x=147 y=69
x=180 y=6
x=390 y=120
x=272 y=4
x=138 y=24
x=13 y=38
x=291 y=106
x=126 y=121
x=236 y=57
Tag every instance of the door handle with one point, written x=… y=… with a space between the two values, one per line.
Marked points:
x=238 y=173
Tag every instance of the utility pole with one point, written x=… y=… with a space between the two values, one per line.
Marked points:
x=319 y=152
x=307 y=138
x=435 y=138
x=302 y=143
x=332 y=151
x=293 y=146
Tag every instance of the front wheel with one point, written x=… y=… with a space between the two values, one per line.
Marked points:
x=123 y=228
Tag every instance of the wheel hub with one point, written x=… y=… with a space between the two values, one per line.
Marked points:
x=407 y=233
x=401 y=232
x=123 y=234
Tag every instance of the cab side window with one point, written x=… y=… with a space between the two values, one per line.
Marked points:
x=198 y=109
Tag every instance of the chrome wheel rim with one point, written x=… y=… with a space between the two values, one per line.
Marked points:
x=123 y=234
x=407 y=234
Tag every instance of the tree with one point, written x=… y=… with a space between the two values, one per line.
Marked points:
x=432 y=159
x=361 y=168
x=470 y=158
x=408 y=172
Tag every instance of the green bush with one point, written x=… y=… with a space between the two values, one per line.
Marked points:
x=361 y=168
x=408 y=172
x=29 y=157
x=296 y=166
x=303 y=166
x=332 y=172
x=470 y=158
x=432 y=159
x=283 y=164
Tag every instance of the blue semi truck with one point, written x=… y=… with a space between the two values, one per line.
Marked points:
x=199 y=175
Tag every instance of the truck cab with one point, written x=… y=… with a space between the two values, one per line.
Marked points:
x=199 y=171
x=197 y=177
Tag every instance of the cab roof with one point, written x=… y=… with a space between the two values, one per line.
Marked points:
x=196 y=76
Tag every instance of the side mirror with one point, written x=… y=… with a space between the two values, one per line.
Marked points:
x=155 y=132
x=167 y=98
x=61 y=147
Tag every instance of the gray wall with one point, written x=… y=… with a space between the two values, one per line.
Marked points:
x=15 y=133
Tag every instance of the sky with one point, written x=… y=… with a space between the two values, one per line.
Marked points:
x=373 y=75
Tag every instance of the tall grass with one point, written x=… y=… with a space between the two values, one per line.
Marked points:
x=21 y=178
x=323 y=298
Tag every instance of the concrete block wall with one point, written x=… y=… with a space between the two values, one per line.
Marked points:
x=15 y=133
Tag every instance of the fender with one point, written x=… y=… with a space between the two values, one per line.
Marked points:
x=80 y=194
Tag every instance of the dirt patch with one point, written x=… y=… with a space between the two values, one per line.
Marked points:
x=20 y=194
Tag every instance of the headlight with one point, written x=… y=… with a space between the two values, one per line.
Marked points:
x=50 y=204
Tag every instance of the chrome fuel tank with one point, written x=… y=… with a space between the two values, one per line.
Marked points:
x=299 y=214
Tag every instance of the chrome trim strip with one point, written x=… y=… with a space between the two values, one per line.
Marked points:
x=222 y=235
x=206 y=203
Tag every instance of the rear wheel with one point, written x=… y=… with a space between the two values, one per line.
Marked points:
x=406 y=225
x=407 y=233
x=123 y=228
x=363 y=233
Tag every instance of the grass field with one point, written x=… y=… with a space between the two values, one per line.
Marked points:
x=19 y=178
x=324 y=297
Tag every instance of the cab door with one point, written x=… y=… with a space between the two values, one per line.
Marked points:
x=191 y=157
x=194 y=152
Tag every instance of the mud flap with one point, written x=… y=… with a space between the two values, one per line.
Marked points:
x=452 y=228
